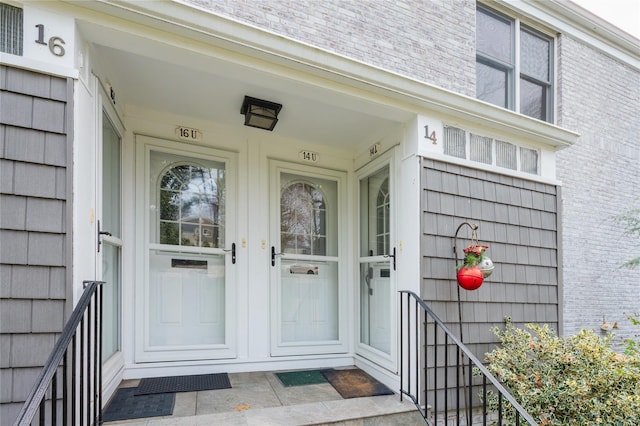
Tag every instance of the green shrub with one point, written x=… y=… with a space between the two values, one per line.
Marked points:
x=632 y=344
x=631 y=222
x=577 y=380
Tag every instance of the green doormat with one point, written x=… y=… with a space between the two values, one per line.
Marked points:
x=299 y=378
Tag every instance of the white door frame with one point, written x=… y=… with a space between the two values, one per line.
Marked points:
x=143 y=353
x=112 y=367
x=340 y=345
x=387 y=361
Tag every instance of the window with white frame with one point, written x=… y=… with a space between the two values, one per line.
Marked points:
x=487 y=150
x=514 y=65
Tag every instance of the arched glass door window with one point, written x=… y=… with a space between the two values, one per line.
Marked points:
x=382 y=218
x=303 y=215
x=192 y=206
x=375 y=208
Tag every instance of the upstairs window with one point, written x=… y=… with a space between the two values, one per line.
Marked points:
x=10 y=29
x=513 y=65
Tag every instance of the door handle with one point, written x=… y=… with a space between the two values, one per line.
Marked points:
x=392 y=256
x=273 y=255
x=233 y=253
x=100 y=234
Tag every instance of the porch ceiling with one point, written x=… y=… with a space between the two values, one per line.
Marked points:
x=166 y=57
x=192 y=85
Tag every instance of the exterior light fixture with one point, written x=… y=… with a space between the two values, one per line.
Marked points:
x=259 y=113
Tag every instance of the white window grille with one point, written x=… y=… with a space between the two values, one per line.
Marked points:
x=10 y=29
x=529 y=160
x=481 y=149
x=455 y=142
x=487 y=150
x=506 y=155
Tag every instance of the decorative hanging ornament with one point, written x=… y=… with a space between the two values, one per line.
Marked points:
x=486 y=266
x=476 y=267
x=470 y=278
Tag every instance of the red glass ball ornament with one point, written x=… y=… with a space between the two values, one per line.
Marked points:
x=470 y=278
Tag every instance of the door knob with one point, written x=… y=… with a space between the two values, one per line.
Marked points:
x=273 y=255
x=393 y=256
x=100 y=234
x=233 y=253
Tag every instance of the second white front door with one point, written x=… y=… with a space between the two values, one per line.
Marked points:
x=307 y=267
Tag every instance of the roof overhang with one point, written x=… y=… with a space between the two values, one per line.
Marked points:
x=165 y=39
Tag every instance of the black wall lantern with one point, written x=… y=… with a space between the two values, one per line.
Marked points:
x=259 y=113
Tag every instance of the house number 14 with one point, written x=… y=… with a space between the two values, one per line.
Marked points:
x=56 y=44
x=309 y=156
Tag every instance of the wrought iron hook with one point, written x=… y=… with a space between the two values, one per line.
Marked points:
x=474 y=236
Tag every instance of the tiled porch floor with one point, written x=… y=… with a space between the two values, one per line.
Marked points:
x=259 y=398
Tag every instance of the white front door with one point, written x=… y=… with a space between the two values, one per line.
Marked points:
x=307 y=251
x=186 y=229
x=377 y=264
x=109 y=249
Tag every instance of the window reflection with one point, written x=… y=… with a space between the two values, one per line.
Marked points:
x=303 y=219
x=191 y=206
x=374 y=214
x=382 y=216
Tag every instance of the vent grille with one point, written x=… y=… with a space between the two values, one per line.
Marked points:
x=481 y=147
x=529 y=160
x=487 y=150
x=455 y=142
x=506 y=155
x=10 y=29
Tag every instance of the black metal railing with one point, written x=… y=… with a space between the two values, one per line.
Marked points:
x=68 y=390
x=443 y=378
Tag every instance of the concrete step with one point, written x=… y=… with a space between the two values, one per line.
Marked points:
x=375 y=410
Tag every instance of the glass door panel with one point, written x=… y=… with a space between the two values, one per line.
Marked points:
x=375 y=310
x=110 y=244
x=309 y=301
x=186 y=291
x=186 y=299
x=305 y=259
x=376 y=256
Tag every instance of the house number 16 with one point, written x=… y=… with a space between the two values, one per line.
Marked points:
x=55 y=43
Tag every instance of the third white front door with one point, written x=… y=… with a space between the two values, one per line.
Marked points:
x=307 y=251
x=377 y=264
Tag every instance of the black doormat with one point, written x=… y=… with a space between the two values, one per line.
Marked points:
x=355 y=383
x=127 y=405
x=183 y=383
x=299 y=378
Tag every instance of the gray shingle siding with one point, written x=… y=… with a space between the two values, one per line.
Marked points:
x=34 y=235
x=518 y=221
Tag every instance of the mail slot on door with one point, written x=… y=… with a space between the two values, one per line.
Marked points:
x=307 y=269
x=189 y=263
